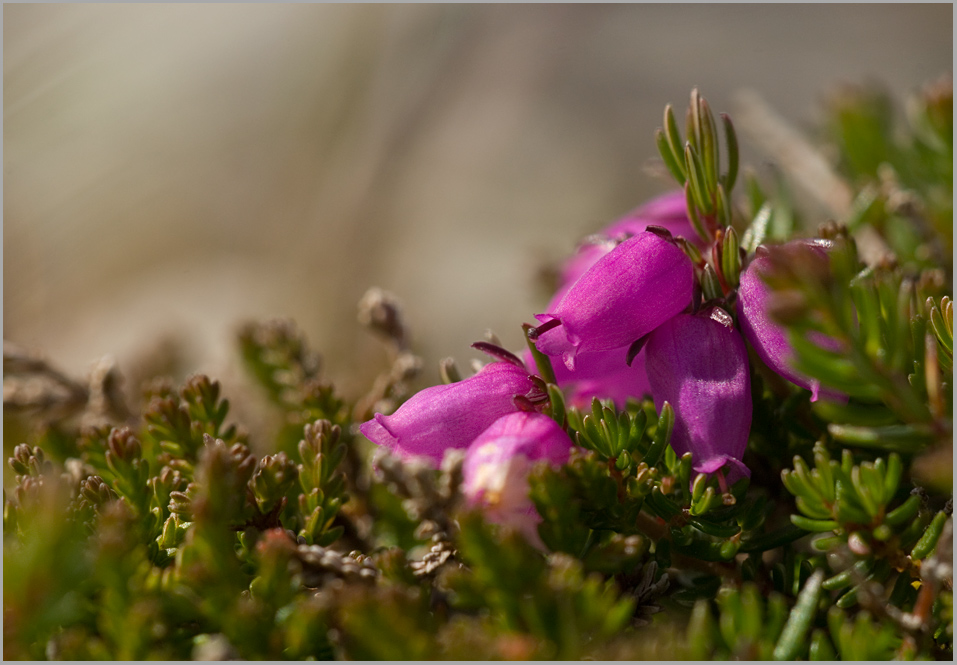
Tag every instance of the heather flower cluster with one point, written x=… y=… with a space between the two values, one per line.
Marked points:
x=710 y=409
x=628 y=321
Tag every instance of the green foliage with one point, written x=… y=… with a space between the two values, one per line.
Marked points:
x=553 y=601
x=845 y=496
x=279 y=358
x=862 y=639
x=176 y=427
x=746 y=626
x=323 y=488
x=905 y=172
x=695 y=164
x=168 y=549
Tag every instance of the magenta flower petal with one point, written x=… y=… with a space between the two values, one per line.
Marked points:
x=584 y=258
x=629 y=292
x=605 y=374
x=496 y=467
x=450 y=416
x=699 y=364
x=767 y=337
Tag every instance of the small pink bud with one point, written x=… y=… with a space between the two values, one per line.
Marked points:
x=497 y=464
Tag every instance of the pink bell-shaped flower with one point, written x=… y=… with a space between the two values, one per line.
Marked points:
x=451 y=416
x=496 y=467
x=626 y=294
x=699 y=364
x=606 y=374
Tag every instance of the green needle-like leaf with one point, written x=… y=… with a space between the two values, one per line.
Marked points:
x=756 y=233
x=722 y=207
x=694 y=217
x=675 y=167
x=900 y=438
x=730 y=256
x=791 y=643
x=693 y=120
x=696 y=179
x=928 y=541
x=673 y=135
x=557 y=401
x=709 y=148
x=731 y=143
x=542 y=362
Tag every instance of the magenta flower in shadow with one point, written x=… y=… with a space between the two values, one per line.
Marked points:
x=626 y=294
x=668 y=211
x=603 y=374
x=496 y=467
x=768 y=338
x=450 y=416
x=699 y=364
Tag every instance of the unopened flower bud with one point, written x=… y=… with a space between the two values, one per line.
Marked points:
x=123 y=444
x=497 y=464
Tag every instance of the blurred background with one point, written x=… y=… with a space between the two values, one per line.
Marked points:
x=172 y=170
